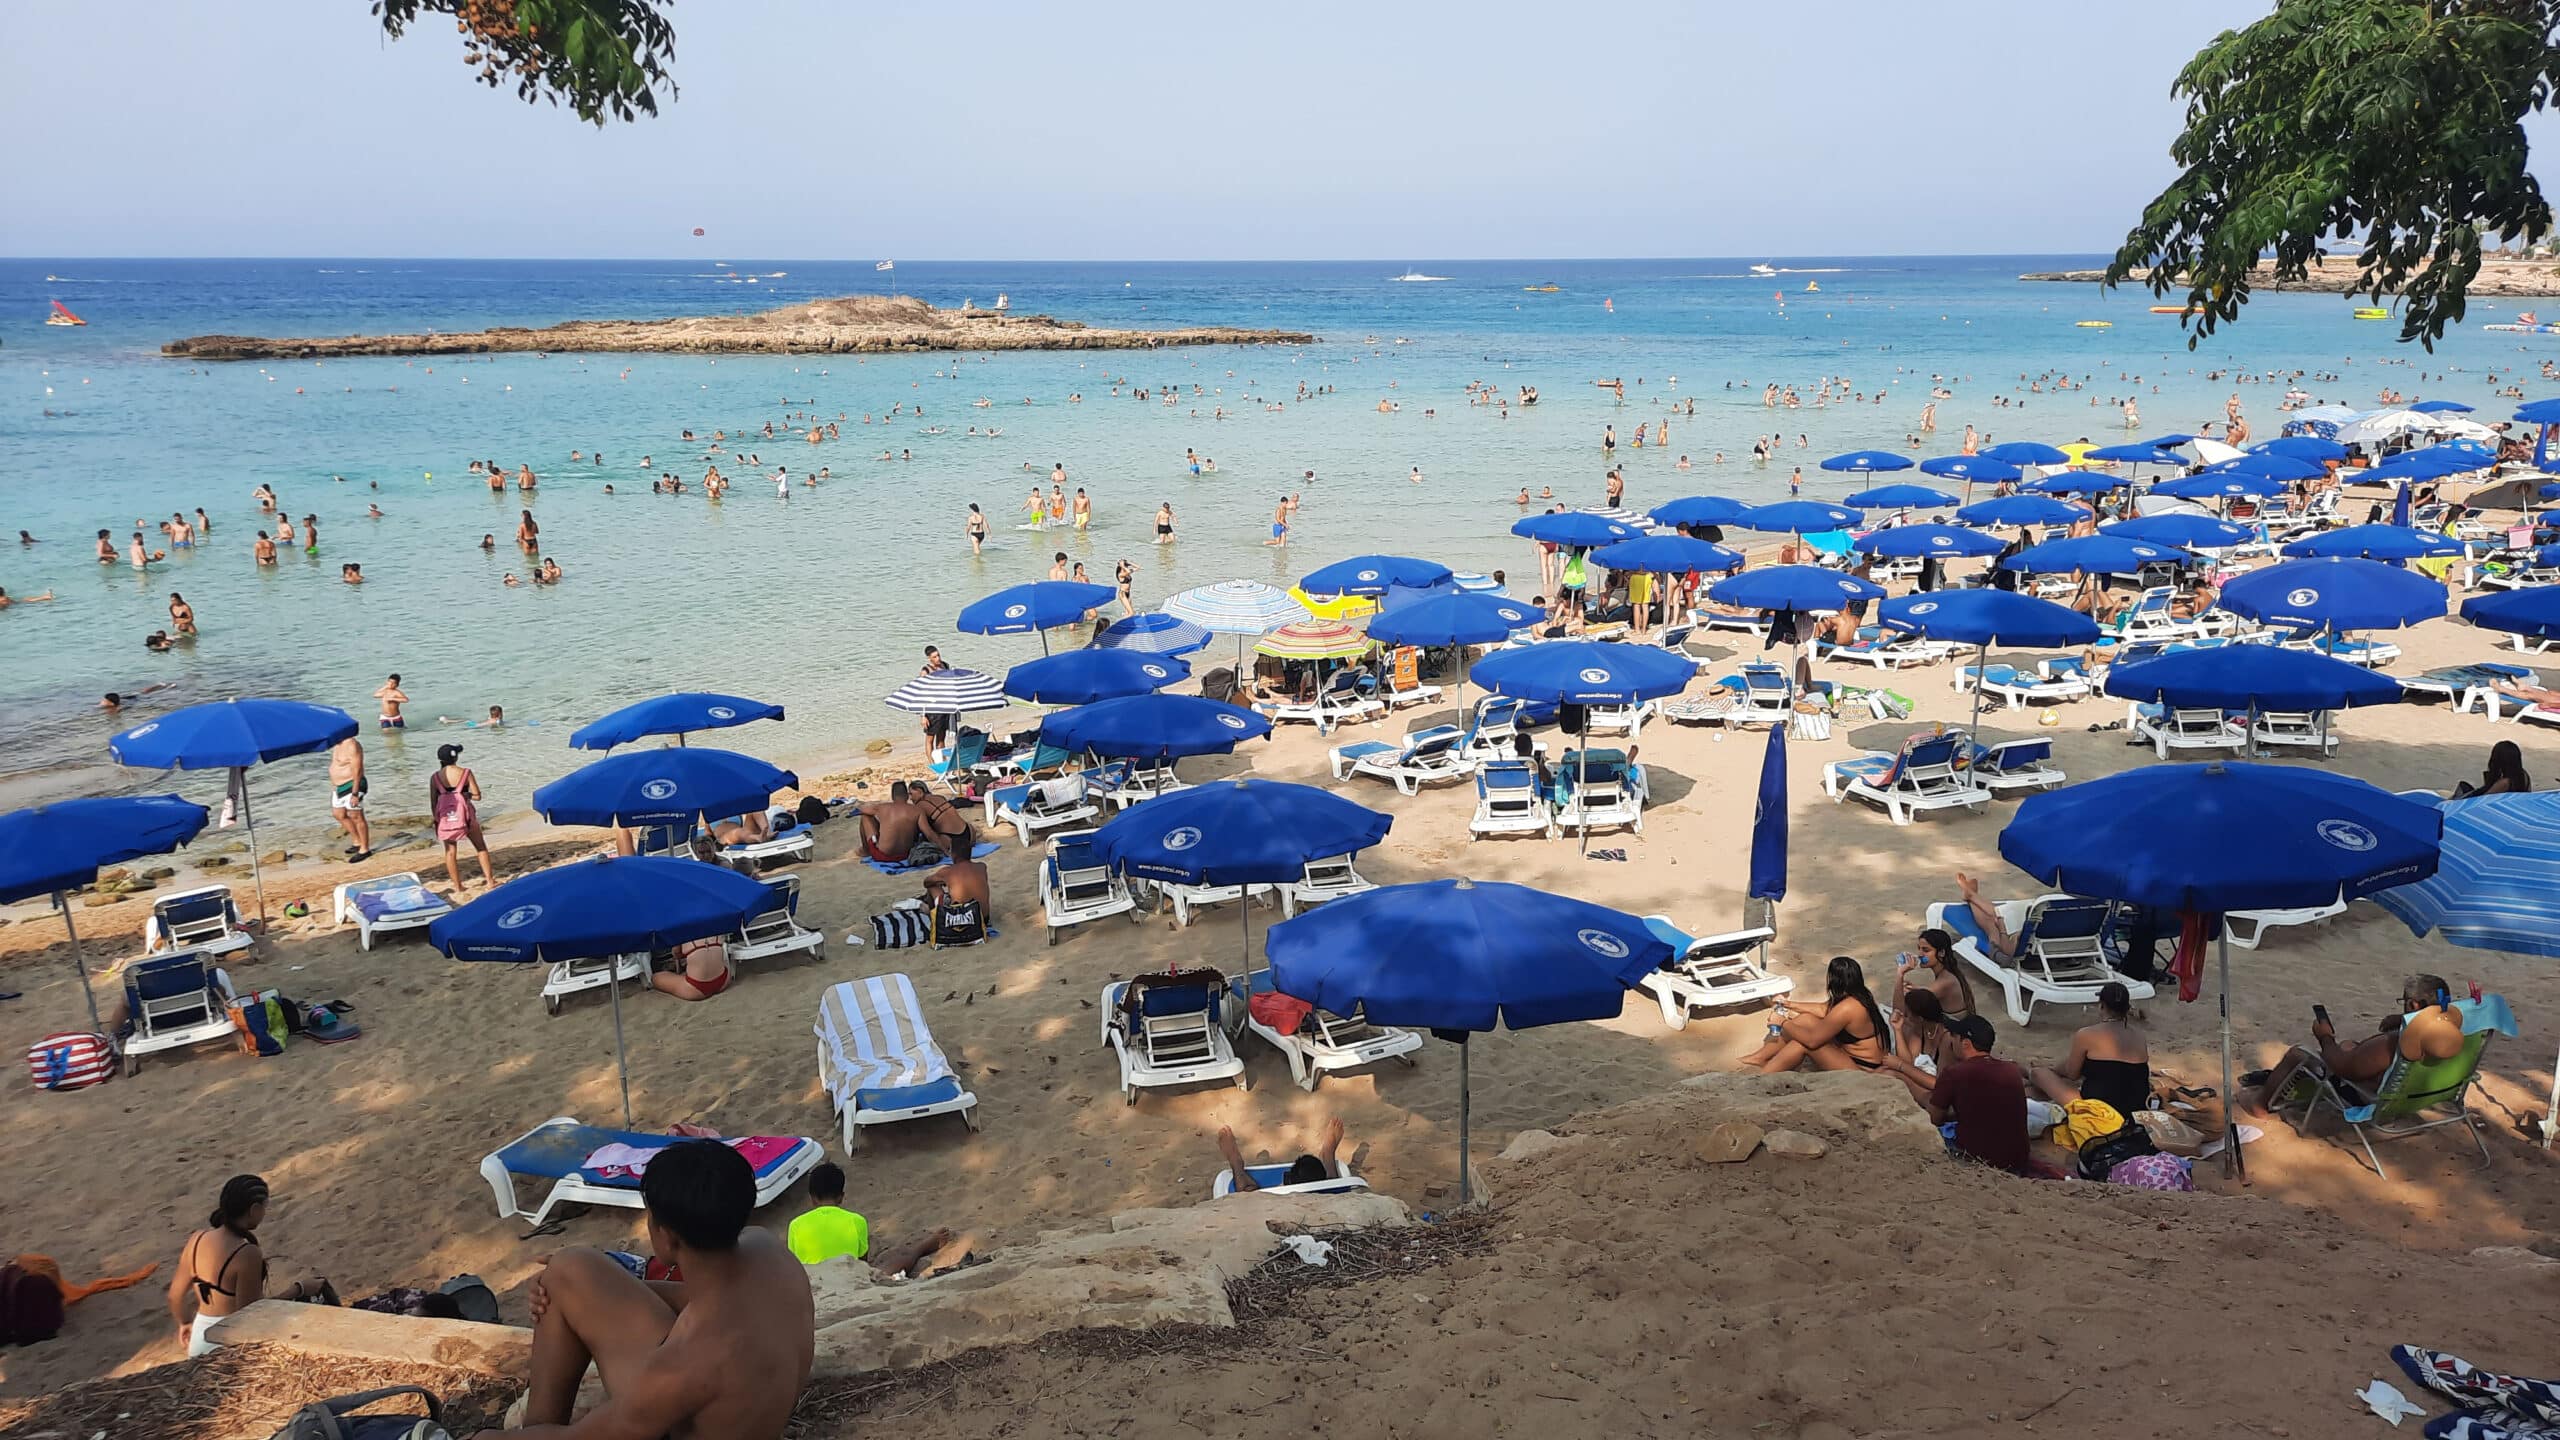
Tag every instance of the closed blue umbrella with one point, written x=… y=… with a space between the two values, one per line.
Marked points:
x=2194 y=532
x=2533 y=611
x=1866 y=462
x=1793 y=587
x=1947 y=542
x=1699 y=510
x=2026 y=452
x=2022 y=510
x=605 y=907
x=50 y=849
x=2218 y=486
x=2441 y=407
x=1984 y=618
x=1801 y=516
x=642 y=788
x=1574 y=528
x=1237 y=832
x=2210 y=839
x=2400 y=505
x=1900 y=496
x=234 y=735
x=1154 y=727
x=2374 y=542
x=1153 y=633
x=1372 y=575
x=1458 y=957
x=1037 y=607
x=2095 y=555
x=948 y=691
x=1973 y=469
x=674 y=715
x=1080 y=677
x=1768 y=879
x=2302 y=447
x=2334 y=595
x=1663 y=554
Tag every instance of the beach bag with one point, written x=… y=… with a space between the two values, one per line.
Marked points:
x=259 y=1017
x=30 y=1306
x=329 y=1420
x=812 y=811
x=959 y=923
x=455 y=813
x=924 y=853
x=2102 y=1155
x=70 y=1061
x=901 y=929
x=2170 y=1134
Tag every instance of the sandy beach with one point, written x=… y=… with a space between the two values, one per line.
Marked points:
x=372 y=1147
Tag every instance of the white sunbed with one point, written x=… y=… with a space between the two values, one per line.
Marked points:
x=572 y=977
x=1126 y=782
x=200 y=919
x=2017 y=687
x=1711 y=972
x=1328 y=878
x=1076 y=885
x=1338 y=703
x=777 y=930
x=1493 y=730
x=2016 y=765
x=1509 y=802
x=174 y=1000
x=1170 y=1034
x=877 y=1059
x=1926 y=774
x=1882 y=648
x=1625 y=720
x=2469 y=687
x=1766 y=696
x=557 y=1150
x=1606 y=792
x=2061 y=957
x=790 y=844
x=2185 y=727
x=2248 y=928
x=1749 y=622
x=1271 y=1180
x=1186 y=898
x=2371 y=654
x=1425 y=755
x=1327 y=1043
x=2295 y=730
x=1036 y=805
x=388 y=904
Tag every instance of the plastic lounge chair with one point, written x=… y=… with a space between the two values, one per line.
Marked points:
x=1339 y=702
x=878 y=1062
x=777 y=929
x=1168 y=1032
x=2296 y=730
x=1509 y=802
x=2401 y=1103
x=1329 y=878
x=1402 y=684
x=572 y=977
x=1884 y=649
x=1494 y=729
x=955 y=764
x=2061 y=957
x=1750 y=622
x=2185 y=727
x=1711 y=972
x=1627 y=720
x=2371 y=654
x=1038 y=805
x=1430 y=754
x=2016 y=687
x=1929 y=773
x=1126 y=782
x=387 y=904
x=557 y=1149
x=1326 y=1042
x=1767 y=695
x=2469 y=687
x=1186 y=898
x=790 y=844
x=2016 y=765
x=2247 y=928
x=1269 y=1180
x=200 y=919
x=1024 y=762
x=1077 y=886
x=174 y=1000
x=1598 y=790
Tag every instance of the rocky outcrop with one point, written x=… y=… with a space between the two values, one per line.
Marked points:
x=853 y=325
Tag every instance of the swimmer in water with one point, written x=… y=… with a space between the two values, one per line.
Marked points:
x=977 y=531
x=1279 y=523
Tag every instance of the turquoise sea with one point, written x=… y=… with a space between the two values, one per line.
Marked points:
x=825 y=601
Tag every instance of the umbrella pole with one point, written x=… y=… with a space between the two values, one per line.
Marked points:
x=1981 y=663
x=80 y=962
x=1466 y=1170
x=2233 y=1167
x=621 y=1060
x=257 y=867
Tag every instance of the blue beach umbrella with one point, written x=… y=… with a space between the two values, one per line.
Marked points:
x=2334 y=595
x=606 y=907
x=2194 y=532
x=2074 y=482
x=670 y=715
x=2539 y=412
x=1574 y=528
x=1866 y=462
x=2374 y=542
x=1800 y=516
x=2095 y=555
x=1153 y=633
x=2313 y=448
x=2269 y=465
x=1984 y=618
x=1793 y=587
x=1237 y=832
x=1768 y=879
x=1400 y=596
x=2217 y=485
x=234 y=735
x=2209 y=839
x=1920 y=541
x=51 y=849
x=948 y=691
x=1459 y=957
x=1699 y=510
x=1454 y=619
x=1034 y=608
x=2433 y=462
x=1372 y=575
x=1971 y=469
x=2533 y=612
x=1665 y=555
x=1080 y=677
x=643 y=788
x=2026 y=452
x=2169 y=442
x=1901 y=496
x=2441 y=407
x=1154 y=727
x=2023 y=510
x=2255 y=678
x=1586 y=672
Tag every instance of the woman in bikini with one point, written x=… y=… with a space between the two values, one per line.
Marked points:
x=1932 y=972
x=699 y=971
x=453 y=799
x=2109 y=1061
x=225 y=1272
x=1843 y=1032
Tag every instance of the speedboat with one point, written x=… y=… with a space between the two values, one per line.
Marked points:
x=886 y=265
x=1764 y=269
x=1411 y=276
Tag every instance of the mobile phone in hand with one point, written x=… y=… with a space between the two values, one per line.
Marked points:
x=2321 y=1013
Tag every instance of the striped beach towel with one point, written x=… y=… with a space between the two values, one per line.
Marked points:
x=873 y=1037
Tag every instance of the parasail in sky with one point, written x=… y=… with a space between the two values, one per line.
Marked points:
x=697 y=230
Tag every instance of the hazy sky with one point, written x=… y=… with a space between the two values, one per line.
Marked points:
x=830 y=129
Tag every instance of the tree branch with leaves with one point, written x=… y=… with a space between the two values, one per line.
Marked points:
x=602 y=58
x=2396 y=124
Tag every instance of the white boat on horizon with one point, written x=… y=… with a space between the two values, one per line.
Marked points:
x=1764 y=269
x=1412 y=276
x=886 y=265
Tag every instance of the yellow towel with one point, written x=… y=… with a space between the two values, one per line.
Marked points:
x=2083 y=1121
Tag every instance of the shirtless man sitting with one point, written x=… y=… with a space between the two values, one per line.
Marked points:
x=889 y=827
x=725 y=1352
x=958 y=883
x=1305 y=1170
x=2426 y=1027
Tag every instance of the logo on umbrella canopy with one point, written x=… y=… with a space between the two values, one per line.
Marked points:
x=138 y=731
x=1925 y=607
x=1015 y=612
x=1232 y=722
x=519 y=917
x=1595 y=676
x=1507 y=613
x=658 y=789
x=2304 y=596
x=1602 y=943
x=721 y=712
x=1154 y=672
x=1367 y=575
x=1182 y=839
x=2346 y=835
x=1941 y=541
x=1848 y=587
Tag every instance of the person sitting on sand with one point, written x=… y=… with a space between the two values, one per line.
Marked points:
x=943 y=823
x=2109 y=1061
x=697 y=970
x=2505 y=775
x=1981 y=1103
x=225 y=1272
x=724 y=1352
x=1305 y=1170
x=827 y=1230
x=889 y=827
x=961 y=882
x=1935 y=973
x=2426 y=1027
x=1844 y=1031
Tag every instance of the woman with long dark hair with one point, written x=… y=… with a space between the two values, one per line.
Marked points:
x=1845 y=1031
x=2109 y=1061
x=223 y=1269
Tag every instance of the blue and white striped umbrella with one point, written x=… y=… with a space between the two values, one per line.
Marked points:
x=2498 y=884
x=1237 y=607
x=949 y=692
x=1152 y=633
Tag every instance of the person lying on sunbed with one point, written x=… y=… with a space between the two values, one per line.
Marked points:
x=1986 y=916
x=1844 y=1031
x=725 y=1351
x=2524 y=694
x=752 y=828
x=1305 y=1170
x=2432 y=1031
x=2199 y=598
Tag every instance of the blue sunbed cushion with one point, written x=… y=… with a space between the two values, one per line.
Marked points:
x=406 y=900
x=1958 y=918
x=907 y=1097
x=1865 y=765
x=556 y=1152
x=1363 y=749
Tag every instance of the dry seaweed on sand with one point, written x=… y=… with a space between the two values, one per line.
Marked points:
x=243 y=1391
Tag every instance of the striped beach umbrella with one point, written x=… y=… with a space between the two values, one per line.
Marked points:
x=948 y=692
x=1236 y=607
x=1152 y=633
x=1313 y=640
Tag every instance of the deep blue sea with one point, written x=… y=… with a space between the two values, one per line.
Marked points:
x=823 y=602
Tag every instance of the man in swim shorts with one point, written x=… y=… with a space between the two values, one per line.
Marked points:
x=392 y=698
x=1084 y=508
x=346 y=801
x=889 y=828
x=1279 y=523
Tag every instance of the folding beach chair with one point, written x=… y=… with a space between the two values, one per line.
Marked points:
x=559 y=1148
x=1327 y=878
x=1711 y=972
x=1928 y=773
x=1509 y=802
x=1493 y=730
x=790 y=844
x=2062 y=955
x=776 y=930
x=200 y=919
x=2412 y=1097
x=1325 y=1043
x=1036 y=805
x=1425 y=755
x=1076 y=885
x=1402 y=684
x=1273 y=1180
x=573 y=977
x=2016 y=765
x=388 y=904
x=2295 y=730
x=174 y=1000
x=2017 y=687
x=2186 y=727
x=877 y=1059
x=1598 y=790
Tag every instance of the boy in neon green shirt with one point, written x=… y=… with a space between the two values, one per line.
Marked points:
x=826 y=1229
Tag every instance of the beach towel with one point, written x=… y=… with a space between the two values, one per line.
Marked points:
x=902 y=928
x=618 y=1159
x=984 y=849
x=73 y=1294
x=2476 y=1389
x=2188 y=963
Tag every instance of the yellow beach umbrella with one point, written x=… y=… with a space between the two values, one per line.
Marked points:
x=1334 y=607
x=1313 y=640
